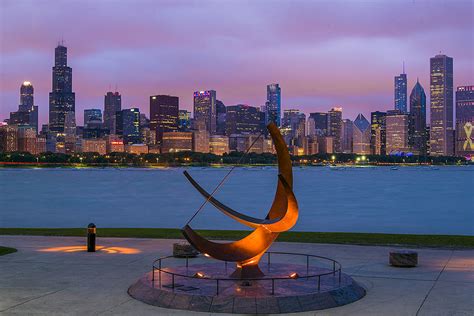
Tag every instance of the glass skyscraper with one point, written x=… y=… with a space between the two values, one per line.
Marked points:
x=61 y=98
x=441 y=106
x=273 y=104
x=417 y=137
x=401 y=93
x=361 y=136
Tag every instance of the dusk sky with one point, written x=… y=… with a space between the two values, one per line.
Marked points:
x=323 y=53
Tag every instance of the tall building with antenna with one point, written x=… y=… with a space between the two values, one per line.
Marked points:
x=61 y=99
x=400 y=83
x=112 y=105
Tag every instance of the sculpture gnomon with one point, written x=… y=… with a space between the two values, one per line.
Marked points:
x=282 y=216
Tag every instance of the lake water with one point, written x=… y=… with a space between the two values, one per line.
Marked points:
x=374 y=199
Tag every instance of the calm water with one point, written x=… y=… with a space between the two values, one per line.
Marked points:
x=407 y=200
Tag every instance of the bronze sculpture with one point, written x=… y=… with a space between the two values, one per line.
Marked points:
x=282 y=216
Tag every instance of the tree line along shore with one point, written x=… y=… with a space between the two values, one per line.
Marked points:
x=206 y=159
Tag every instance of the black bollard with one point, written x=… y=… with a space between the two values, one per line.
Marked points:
x=91 y=233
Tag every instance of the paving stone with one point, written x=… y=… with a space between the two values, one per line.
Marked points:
x=243 y=305
x=222 y=304
x=289 y=304
x=267 y=305
x=200 y=303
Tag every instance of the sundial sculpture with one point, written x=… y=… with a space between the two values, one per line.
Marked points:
x=282 y=216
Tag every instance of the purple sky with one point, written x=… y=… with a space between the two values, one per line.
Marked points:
x=323 y=53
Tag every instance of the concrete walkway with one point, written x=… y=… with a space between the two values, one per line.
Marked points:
x=55 y=276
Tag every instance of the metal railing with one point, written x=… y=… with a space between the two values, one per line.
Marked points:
x=336 y=269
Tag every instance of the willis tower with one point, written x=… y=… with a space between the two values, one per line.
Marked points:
x=61 y=98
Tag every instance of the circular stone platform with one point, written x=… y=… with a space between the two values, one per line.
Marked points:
x=246 y=297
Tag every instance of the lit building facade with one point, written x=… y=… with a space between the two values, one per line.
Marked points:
x=417 y=134
x=335 y=127
x=27 y=139
x=397 y=132
x=218 y=144
x=377 y=133
x=177 y=141
x=401 y=93
x=8 y=138
x=164 y=115
x=441 y=106
x=273 y=104
x=205 y=109
x=112 y=105
x=137 y=149
x=61 y=99
x=465 y=121
x=114 y=144
x=200 y=141
x=94 y=146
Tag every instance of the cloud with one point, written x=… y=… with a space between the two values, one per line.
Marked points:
x=321 y=52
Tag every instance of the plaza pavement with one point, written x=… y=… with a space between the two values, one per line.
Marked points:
x=55 y=276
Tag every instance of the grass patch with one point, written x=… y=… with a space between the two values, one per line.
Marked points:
x=445 y=241
x=6 y=250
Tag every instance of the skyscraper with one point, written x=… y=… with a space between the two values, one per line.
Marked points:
x=417 y=137
x=27 y=113
x=92 y=117
x=441 y=106
x=273 y=104
x=221 y=117
x=361 y=136
x=397 y=132
x=128 y=125
x=26 y=96
x=318 y=125
x=401 y=93
x=112 y=105
x=61 y=98
x=205 y=109
x=335 y=127
x=184 y=120
x=164 y=114
x=242 y=119
x=465 y=121
x=377 y=131
x=347 y=136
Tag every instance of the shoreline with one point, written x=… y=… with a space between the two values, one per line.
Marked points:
x=366 y=239
x=27 y=165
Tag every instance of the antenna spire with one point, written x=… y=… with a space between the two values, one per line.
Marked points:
x=403 y=67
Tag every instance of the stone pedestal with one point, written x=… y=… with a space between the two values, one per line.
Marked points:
x=183 y=250
x=404 y=258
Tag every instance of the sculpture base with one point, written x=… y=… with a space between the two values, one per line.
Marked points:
x=247 y=272
x=246 y=297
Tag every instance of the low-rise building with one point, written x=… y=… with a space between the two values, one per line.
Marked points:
x=176 y=142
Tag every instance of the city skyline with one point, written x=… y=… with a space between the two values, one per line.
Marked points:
x=319 y=81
